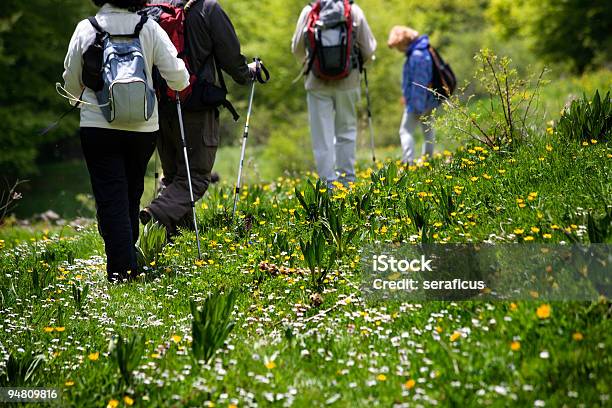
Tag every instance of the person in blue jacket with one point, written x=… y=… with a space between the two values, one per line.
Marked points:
x=418 y=100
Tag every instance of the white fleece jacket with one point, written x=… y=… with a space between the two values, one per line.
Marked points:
x=157 y=49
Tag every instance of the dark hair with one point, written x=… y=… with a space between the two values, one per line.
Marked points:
x=132 y=5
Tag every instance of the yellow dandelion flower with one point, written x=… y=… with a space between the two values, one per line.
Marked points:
x=381 y=377
x=128 y=401
x=543 y=311
x=519 y=231
x=549 y=148
x=529 y=238
x=94 y=356
x=60 y=329
x=69 y=383
x=455 y=336
x=547 y=236
x=535 y=230
x=48 y=329
x=176 y=339
x=410 y=384
x=513 y=306
x=593 y=141
x=515 y=346
x=270 y=365
x=577 y=336
x=113 y=403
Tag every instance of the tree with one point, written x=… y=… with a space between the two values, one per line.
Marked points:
x=573 y=31
x=34 y=36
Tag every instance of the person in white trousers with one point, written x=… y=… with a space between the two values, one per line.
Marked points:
x=332 y=105
x=418 y=100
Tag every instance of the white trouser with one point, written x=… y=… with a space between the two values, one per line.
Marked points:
x=333 y=126
x=408 y=127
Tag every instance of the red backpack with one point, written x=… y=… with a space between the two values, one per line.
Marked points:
x=200 y=95
x=172 y=19
x=329 y=39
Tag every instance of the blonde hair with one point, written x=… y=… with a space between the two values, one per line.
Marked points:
x=401 y=36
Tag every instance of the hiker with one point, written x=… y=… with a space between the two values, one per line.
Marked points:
x=212 y=45
x=118 y=147
x=339 y=30
x=418 y=100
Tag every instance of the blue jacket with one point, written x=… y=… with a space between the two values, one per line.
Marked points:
x=418 y=68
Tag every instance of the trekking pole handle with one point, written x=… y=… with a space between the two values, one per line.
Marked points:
x=259 y=70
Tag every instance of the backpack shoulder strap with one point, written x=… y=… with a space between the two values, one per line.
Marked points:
x=95 y=24
x=140 y=25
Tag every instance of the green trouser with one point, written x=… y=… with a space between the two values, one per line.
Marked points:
x=202 y=136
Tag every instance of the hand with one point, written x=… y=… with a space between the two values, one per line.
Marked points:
x=254 y=69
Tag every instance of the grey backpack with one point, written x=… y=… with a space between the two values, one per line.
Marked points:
x=114 y=68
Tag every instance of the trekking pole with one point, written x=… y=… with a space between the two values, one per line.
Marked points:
x=195 y=221
x=258 y=78
x=367 y=89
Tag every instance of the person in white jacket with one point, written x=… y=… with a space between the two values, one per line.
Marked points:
x=117 y=155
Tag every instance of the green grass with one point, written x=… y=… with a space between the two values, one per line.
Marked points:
x=286 y=349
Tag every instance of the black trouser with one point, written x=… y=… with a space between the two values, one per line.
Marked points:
x=117 y=163
x=202 y=136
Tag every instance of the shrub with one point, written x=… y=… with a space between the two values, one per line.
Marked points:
x=501 y=118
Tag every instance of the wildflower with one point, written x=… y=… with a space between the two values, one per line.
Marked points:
x=381 y=377
x=528 y=238
x=60 y=329
x=486 y=176
x=474 y=178
x=94 y=356
x=577 y=336
x=585 y=143
x=549 y=148
x=593 y=141
x=547 y=236
x=513 y=306
x=176 y=339
x=48 y=329
x=543 y=311
x=515 y=346
x=128 y=401
x=113 y=403
x=455 y=336
x=270 y=365
x=535 y=230
x=199 y=262
x=69 y=383
x=410 y=384
x=518 y=231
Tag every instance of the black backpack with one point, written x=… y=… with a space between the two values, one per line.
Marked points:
x=444 y=81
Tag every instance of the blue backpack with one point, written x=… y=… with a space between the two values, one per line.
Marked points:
x=114 y=68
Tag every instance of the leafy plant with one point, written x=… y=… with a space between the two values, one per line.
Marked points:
x=127 y=353
x=211 y=325
x=314 y=252
x=21 y=369
x=338 y=236
x=447 y=204
x=600 y=230
x=79 y=294
x=419 y=212
x=150 y=244
x=314 y=199
x=586 y=120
